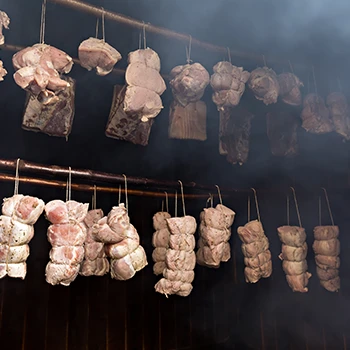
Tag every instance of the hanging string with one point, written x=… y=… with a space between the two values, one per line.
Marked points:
x=103 y=24
x=183 y=198
x=291 y=66
x=296 y=206
x=43 y=22
x=188 y=51
x=313 y=73
x=339 y=85
x=120 y=194
x=69 y=183
x=264 y=60
x=17 y=178
x=94 y=198
x=328 y=205
x=97 y=24
x=256 y=203
x=176 y=204
x=140 y=40
x=144 y=36
x=211 y=200
x=248 y=208
x=288 y=216
x=166 y=202
x=126 y=193
x=208 y=200
x=229 y=54
x=162 y=206
x=219 y=194
x=319 y=211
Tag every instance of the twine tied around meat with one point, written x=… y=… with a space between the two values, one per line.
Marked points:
x=320 y=208
x=103 y=25
x=296 y=206
x=182 y=197
x=126 y=193
x=42 y=22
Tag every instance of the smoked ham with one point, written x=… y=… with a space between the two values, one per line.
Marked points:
x=4 y=23
x=290 y=86
x=293 y=255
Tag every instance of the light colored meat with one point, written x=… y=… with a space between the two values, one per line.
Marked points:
x=38 y=70
x=159 y=220
x=146 y=56
x=323 y=233
x=264 y=84
x=253 y=249
x=294 y=267
x=226 y=254
x=325 y=262
x=14 y=233
x=97 y=54
x=315 y=115
x=182 y=242
x=4 y=23
x=3 y=71
x=59 y=212
x=167 y=287
x=293 y=236
x=332 y=285
x=328 y=274
x=13 y=255
x=61 y=273
x=290 y=86
x=182 y=276
x=330 y=247
x=298 y=283
x=161 y=238
x=159 y=267
x=211 y=256
x=180 y=260
x=188 y=83
x=182 y=225
x=97 y=267
x=159 y=254
x=17 y=270
x=229 y=215
x=251 y=232
x=259 y=260
x=215 y=218
x=228 y=83
x=91 y=218
x=214 y=236
x=253 y=275
x=67 y=255
x=340 y=113
x=101 y=232
x=66 y=235
x=293 y=253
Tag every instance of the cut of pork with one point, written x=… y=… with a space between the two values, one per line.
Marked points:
x=3 y=71
x=290 y=86
x=4 y=23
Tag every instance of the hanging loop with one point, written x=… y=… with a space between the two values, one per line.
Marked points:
x=288 y=214
x=94 y=201
x=144 y=35
x=188 y=51
x=120 y=194
x=256 y=203
x=328 y=205
x=229 y=54
x=103 y=24
x=126 y=193
x=166 y=202
x=17 y=177
x=43 y=22
x=182 y=197
x=219 y=193
x=291 y=66
x=248 y=208
x=264 y=60
x=208 y=200
x=175 y=203
x=97 y=24
x=296 y=205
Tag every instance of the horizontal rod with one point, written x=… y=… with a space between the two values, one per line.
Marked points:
x=117 y=17
x=89 y=188
x=25 y=166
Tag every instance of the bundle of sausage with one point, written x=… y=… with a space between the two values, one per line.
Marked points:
x=122 y=243
x=327 y=248
x=180 y=258
x=160 y=241
x=215 y=232
x=67 y=235
x=255 y=248
x=294 y=251
x=95 y=262
x=20 y=213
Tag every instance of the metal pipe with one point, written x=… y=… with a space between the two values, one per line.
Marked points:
x=117 y=17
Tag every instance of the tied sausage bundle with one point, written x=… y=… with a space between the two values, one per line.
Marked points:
x=180 y=258
x=255 y=248
x=294 y=251
x=215 y=232
x=20 y=213
x=67 y=235
x=122 y=243
x=160 y=241
x=327 y=248
x=95 y=262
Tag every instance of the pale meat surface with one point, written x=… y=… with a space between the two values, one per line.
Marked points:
x=293 y=236
x=159 y=220
x=3 y=71
x=4 y=23
x=59 y=212
x=161 y=238
x=298 y=283
x=290 y=86
x=167 y=287
x=14 y=255
x=61 y=273
x=184 y=225
x=97 y=54
x=14 y=233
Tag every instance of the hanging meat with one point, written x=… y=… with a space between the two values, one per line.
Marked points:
x=315 y=115
x=97 y=54
x=228 y=83
x=214 y=235
x=67 y=234
x=235 y=125
x=95 y=262
x=54 y=119
x=282 y=133
x=290 y=86
x=160 y=241
x=264 y=84
x=3 y=71
x=4 y=23
x=340 y=113
x=255 y=248
x=20 y=213
x=180 y=258
x=38 y=70
x=293 y=255
x=188 y=115
x=122 y=243
x=145 y=85
x=327 y=248
x=126 y=127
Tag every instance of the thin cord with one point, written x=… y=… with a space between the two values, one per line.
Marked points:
x=176 y=204
x=313 y=73
x=319 y=211
x=120 y=194
x=291 y=66
x=43 y=22
x=144 y=36
x=229 y=54
x=183 y=198
x=329 y=206
x=140 y=40
x=256 y=203
x=94 y=203
x=208 y=200
x=97 y=23
x=69 y=183
x=296 y=206
x=219 y=194
x=17 y=178
x=162 y=205
x=288 y=215
x=166 y=202
x=103 y=24
x=339 y=85
x=211 y=200
x=264 y=60
x=248 y=208
x=126 y=193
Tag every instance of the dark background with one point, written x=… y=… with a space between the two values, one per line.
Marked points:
x=223 y=311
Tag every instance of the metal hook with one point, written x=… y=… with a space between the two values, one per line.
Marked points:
x=126 y=193
x=329 y=207
x=296 y=205
x=166 y=202
x=94 y=198
x=17 y=177
x=256 y=202
x=219 y=193
x=182 y=196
